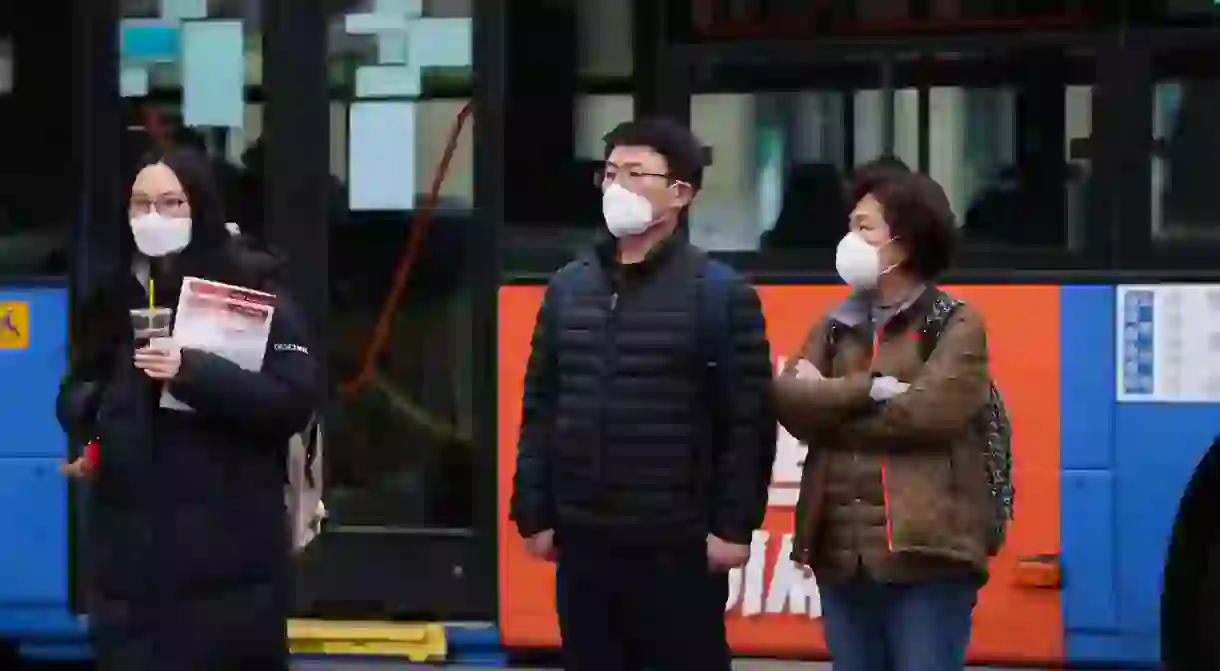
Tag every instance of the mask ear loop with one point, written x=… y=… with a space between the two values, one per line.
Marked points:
x=891 y=266
x=688 y=185
x=657 y=217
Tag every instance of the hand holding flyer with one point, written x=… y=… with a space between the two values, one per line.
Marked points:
x=228 y=321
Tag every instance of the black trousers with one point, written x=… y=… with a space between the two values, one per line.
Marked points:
x=640 y=609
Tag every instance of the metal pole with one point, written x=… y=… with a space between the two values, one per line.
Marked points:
x=484 y=275
x=887 y=104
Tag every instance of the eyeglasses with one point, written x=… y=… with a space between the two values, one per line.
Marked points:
x=632 y=176
x=164 y=205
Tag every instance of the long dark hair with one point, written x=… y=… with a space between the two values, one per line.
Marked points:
x=100 y=323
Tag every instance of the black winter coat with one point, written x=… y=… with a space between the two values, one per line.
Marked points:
x=188 y=560
x=623 y=438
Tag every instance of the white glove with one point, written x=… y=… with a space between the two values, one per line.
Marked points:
x=885 y=388
x=807 y=371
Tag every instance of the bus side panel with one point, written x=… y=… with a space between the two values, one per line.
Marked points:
x=772 y=611
x=33 y=495
x=1015 y=624
x=1157 y=447
x=1090 y=607
x=527 y=587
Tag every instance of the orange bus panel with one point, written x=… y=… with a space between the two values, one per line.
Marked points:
x=772 y=611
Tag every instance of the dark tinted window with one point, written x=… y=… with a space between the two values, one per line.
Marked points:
x=1185 y=152
x=1002 y=133
x=404 y=417
x=37 y=192
x=728 y=19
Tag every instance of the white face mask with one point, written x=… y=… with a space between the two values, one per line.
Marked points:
x=626 y=212
x=157 y=236
x=858 y=262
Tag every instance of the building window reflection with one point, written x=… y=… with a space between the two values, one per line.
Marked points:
x=189 y=72
x=388 y=46
x=1002 y=151
x=403 y=433
x=37 y=81
x=1186 y=135
x=6 y=65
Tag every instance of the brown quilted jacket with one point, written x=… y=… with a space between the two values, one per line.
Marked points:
x=899 y=488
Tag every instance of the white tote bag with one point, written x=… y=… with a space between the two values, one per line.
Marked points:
x=304 y=490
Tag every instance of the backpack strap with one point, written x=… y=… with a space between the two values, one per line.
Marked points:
x=714 y=313
x=834 y=332
x=714 y=362
x=934 y=324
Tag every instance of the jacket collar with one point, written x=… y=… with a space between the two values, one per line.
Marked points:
x=857 y=309
x=605 y=249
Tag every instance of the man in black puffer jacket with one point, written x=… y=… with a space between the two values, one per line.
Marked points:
x=648 y=432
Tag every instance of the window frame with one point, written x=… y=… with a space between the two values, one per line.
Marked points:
x=335 y=576
x=685 y=67
x=94 y=241
x=1139 y=249
x=921 y=18
x=779 y=264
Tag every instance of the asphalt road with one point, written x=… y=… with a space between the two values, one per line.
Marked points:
x=339 y=665
x=743 y=665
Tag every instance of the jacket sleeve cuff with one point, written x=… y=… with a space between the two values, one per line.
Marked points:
x=529 y=525
x=799 y=557
x=735 y=535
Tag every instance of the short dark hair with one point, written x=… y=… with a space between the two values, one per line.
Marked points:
x=918 y=213
x=885 y=162
x=682 y=150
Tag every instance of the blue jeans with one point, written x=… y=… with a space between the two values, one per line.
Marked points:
x=872 y=626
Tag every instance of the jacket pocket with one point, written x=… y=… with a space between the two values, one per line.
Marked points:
x=971 y=491
x=920 y=509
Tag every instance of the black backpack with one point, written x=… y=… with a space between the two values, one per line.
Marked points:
x=992 y=421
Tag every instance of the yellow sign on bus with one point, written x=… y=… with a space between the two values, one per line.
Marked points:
x=14 y=325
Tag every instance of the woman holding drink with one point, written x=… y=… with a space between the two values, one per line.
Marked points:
x=189 y=561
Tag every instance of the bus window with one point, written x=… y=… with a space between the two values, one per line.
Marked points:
x=595 y=116
x=6 y=65
x=167 y=66
x=37 y=203
x=726 y=213
x=975 y=153
x=560 y=102
x=402 y=425
x=802 y=18
x=993 y=129
x=604 y=39
x=1186 y=12
x=779 y=159
x=1186 y=144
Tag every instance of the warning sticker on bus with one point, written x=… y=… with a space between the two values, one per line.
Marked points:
x=14 y=325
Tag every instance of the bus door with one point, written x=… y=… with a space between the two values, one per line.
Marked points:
x=49 y=178
x=392 y=266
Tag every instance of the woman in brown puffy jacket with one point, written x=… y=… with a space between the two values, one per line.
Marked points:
x=893 y=510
